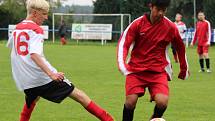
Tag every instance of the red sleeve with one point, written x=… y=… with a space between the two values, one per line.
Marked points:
x=124 y=44
x=180 y=48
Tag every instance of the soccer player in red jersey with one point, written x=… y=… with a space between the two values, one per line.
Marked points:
x=148 y=38
x=203 y=36
x=33 y=74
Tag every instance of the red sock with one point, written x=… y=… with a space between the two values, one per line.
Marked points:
x=63 y=41
x=98 y=112
x=26 y=112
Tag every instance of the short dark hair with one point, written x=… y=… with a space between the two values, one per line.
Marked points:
x=161 y=3
x=201 y=12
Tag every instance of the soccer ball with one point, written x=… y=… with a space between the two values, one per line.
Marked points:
x=157 y=119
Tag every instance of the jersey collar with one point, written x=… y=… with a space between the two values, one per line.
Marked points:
x=28 y=21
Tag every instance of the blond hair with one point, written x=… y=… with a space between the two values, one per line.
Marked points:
x=37 y=5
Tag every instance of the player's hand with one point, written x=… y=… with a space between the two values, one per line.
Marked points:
x=183 y=75
x=208 y=45
x=61 y=73
x=59 y=76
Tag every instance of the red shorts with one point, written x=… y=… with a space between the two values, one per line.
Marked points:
x=202 y=49
x=136 y=83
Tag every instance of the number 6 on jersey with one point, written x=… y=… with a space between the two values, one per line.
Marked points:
x=21 y=46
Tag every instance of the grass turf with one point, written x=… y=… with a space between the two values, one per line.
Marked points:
x=93 y=69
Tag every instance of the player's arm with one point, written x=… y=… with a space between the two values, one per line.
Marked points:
x=124 y=44
x=35 y=50
x=38 y=60
x=180 y=48
x=209 y=33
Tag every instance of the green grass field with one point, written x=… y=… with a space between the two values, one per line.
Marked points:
x=93 y=69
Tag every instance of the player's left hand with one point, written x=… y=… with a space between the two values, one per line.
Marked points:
x=59 y=76
x=183 y=75
x=61 y=73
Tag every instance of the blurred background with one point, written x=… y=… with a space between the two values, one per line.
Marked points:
x=13 y=11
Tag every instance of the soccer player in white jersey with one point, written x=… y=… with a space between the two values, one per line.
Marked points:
x=180 y=25
x=31 y=71
x=181 y=28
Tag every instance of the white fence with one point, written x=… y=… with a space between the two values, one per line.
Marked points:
x=188 y=35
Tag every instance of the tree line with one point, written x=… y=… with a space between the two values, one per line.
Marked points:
x=138 y=7
x=13 y=11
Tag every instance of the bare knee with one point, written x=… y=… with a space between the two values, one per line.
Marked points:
x=161 y=100
x=80 y=96
x=201 y=56
x=131 y=101
x=205 y=55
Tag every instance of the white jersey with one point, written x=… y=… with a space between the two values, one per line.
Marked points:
x=181 y=28
x=26 y=39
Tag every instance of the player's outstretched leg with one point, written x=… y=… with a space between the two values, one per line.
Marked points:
x=129 y=107
x=161 y=101
x=89 y=105
x=26 y=111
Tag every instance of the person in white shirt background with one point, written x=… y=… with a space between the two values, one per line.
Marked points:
x=182 y=29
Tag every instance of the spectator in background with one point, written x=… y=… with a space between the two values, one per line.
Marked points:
x=203 y=36
x=181 y=28
x=62 y=31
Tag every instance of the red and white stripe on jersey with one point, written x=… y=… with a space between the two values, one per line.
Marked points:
x=122 y=53
x=209 y=32
x=27 y=39
x=181 y=55
x=168 y=68
x=187 y=71
x=150 y=52
x=29 y=25
x=202 y=33
x=25 y=25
